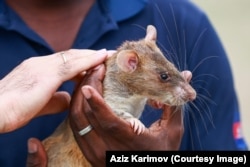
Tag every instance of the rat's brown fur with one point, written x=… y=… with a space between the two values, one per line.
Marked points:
x=62 y=149
x=133 y=75
x=143 y=81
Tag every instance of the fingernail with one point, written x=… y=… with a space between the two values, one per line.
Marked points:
x=32 y=147
x=86 y=92
x=111 y=53
x=97 y=67
x=101 y=52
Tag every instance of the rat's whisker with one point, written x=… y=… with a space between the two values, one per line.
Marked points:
x=139 y=26
x=202 y=61
x=205 y=75
x=177 y=34
x=205 y=90
x=191 y=114
x=195 y=82
x=197 y=42
x=206 y=98
x=169 y=37
x=200 y=114
x=207 y=111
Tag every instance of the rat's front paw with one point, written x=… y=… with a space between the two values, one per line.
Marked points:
x=137 y=125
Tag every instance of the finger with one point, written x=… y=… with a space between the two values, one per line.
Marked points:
x=36 y=154
x=168 y=112
x=79 y=105
x=104 y=115
x=114 y=131
x=172 y=117
x=175 y=115
x=78 y=121
x=79 y=61
x=95 y=78
x=172 y=126
x=89 y=143
x=92 y=144
x=175 y=129
x=58 y=103
x=77 y=117
x=111 y=53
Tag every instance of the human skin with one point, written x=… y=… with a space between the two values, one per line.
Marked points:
x=109 y=131
x=30 y=90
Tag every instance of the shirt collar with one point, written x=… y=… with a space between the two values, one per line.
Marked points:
x=110 y=12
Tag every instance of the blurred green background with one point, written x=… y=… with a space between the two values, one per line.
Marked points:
x=231 y=19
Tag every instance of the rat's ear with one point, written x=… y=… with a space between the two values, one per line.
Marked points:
x=151 y=33
x=127 y=60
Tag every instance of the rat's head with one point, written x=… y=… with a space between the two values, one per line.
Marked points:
x=146 y=72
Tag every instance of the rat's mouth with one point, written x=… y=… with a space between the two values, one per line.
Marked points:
x=159 y=105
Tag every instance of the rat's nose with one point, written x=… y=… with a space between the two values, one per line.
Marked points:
x=192 y=95
x=189 y=92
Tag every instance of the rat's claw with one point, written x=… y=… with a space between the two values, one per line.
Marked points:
x=137 y=125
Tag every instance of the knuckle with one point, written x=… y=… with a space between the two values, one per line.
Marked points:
x=66 y=62
x=100 y=155
x=96 y=157
x=76 y=114
x=112 y=128
x=28 y=62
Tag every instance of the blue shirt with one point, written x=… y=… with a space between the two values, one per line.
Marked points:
x=186 y=37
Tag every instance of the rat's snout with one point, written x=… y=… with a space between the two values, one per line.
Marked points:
x=189 y=94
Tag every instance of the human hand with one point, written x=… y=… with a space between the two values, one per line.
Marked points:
x=37 y=156
x=112 y=133
x=30 y=89
x=165 y=133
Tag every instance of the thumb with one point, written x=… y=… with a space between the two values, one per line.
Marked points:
x=170 y=126
x=173 y=125
x=36 y=154
x=172 y=118
x=59 y=102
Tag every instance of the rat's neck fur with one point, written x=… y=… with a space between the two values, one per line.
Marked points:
x=118 y=96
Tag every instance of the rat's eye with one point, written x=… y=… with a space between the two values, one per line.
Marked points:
x=164 y=76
